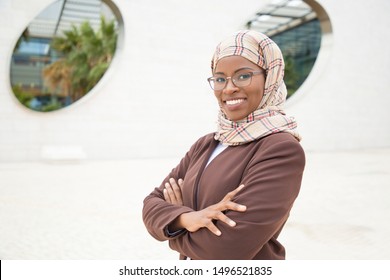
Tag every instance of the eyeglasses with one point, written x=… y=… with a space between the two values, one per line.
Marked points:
x=241 y=79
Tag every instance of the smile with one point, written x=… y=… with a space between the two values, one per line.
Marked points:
x=234 y=101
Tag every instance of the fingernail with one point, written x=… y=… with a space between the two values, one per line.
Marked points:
x=242 y=207
x=232 y=223
x=219 y=233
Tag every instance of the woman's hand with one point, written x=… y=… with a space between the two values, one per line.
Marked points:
x=193 y=221
x=172 y=191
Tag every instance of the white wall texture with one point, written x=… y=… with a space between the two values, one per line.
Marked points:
x=154 y=100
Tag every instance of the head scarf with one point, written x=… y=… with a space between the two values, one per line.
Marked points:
x=269 y=117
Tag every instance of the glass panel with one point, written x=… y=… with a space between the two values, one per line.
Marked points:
x=63 y=53
x=296 y=30
x=300 y=47
x=291 y=12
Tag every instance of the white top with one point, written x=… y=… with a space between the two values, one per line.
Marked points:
x=219 y=149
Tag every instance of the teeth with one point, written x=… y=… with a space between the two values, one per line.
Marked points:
x=234 y=102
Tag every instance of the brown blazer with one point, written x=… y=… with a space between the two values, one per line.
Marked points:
x=271 y=169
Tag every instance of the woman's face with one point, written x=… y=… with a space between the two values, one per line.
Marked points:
x=238 y=102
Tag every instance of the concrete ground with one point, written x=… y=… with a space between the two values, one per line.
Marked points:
x=92 y=210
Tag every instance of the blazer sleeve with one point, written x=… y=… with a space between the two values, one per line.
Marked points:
x=157 y=214
x=272 y=182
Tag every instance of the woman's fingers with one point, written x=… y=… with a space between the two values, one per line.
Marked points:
x=166 y=196
x=209 y=224
x=230 y=195
x=227 y=203
x=211 y=227
x=172 y=192
x=230 y=205
x=177 y=190
x=223 y=218
x=193 y=221
x=180 y=181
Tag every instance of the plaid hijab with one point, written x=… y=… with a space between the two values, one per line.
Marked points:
x=269 y=117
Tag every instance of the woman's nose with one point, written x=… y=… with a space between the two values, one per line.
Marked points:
x=230 y=87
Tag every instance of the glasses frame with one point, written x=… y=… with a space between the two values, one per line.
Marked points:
x=252 y=73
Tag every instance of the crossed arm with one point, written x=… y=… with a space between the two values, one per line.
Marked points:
x=272 y=182
x=193 y=221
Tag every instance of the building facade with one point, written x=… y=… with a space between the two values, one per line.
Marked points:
x=154 y=100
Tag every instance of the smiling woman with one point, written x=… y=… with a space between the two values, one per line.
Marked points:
x=63 y=53
x=244 y=75
x=231 y=194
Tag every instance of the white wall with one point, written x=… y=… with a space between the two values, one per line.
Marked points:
x=344 y=103
x=154 y=100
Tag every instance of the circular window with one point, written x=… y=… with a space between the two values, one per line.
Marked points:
x=296 y=27
x=63 y=53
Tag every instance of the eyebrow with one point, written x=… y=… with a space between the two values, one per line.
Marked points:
x=238 y=70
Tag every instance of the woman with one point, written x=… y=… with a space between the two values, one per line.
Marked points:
x=231 y=194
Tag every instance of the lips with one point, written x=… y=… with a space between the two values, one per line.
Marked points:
x=234 y=101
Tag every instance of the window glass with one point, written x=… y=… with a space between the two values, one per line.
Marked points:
x=63 y=53
x=295 y=28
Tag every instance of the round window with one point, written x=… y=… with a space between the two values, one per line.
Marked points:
x=296 y=26
x=63 y=53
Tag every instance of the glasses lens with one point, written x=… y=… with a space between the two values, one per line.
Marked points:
x=242 y=79
x=217 y=83
x=211 y=82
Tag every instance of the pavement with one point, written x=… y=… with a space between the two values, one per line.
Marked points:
x=92 y=209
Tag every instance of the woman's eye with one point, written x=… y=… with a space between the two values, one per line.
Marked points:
x=244 y=76
x=220 y=80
